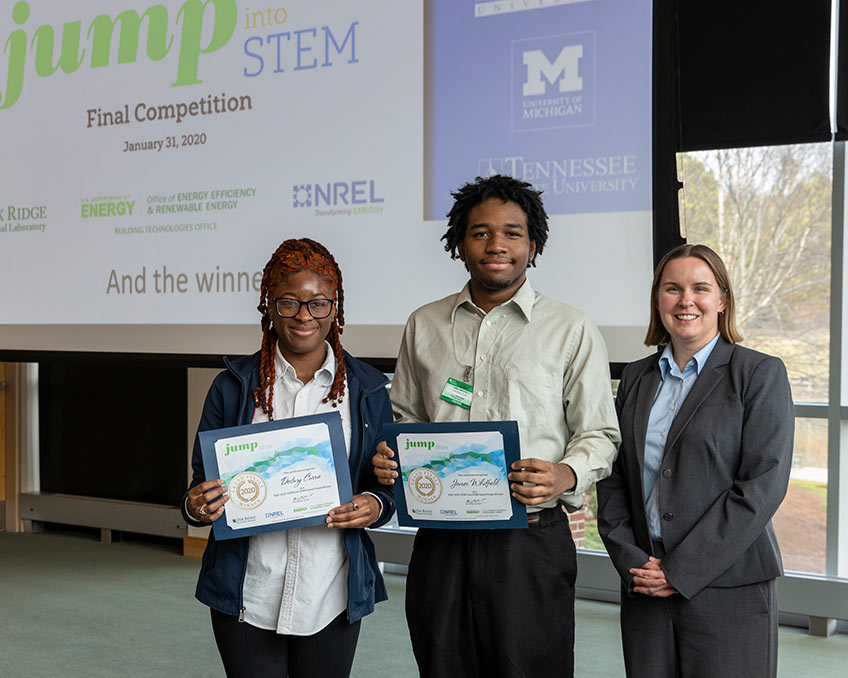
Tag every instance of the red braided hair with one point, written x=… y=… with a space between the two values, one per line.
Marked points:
x=291 y=257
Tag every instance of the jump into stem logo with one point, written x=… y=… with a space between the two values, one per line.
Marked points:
x=553 y=81
x=95 y=42
x=340 y=198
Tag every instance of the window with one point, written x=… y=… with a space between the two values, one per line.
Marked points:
x=801 y=521
x=767 y=212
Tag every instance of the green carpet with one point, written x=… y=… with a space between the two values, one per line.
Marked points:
x=71 y=606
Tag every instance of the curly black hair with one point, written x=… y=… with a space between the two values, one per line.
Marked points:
x=507 y=189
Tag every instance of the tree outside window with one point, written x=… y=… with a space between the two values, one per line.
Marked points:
x=767 y=212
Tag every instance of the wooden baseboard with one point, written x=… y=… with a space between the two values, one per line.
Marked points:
x=193 y=547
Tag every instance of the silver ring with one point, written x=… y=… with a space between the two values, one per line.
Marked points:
x=202 y=511
x=355 y=506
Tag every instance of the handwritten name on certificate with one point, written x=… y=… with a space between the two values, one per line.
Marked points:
x=279 y=475
x=455 y=476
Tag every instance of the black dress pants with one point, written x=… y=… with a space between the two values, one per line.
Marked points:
x=250 y=652
x=494 y=602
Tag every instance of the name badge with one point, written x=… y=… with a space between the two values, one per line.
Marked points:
x=457 y=392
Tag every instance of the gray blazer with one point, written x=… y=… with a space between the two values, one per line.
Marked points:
x=724 y=472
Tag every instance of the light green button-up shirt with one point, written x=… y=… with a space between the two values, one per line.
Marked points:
x=532 y=359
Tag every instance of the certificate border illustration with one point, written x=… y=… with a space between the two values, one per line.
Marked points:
x=512 y=453
x=333 y=422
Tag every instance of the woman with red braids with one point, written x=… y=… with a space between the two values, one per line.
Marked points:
x=289 y=603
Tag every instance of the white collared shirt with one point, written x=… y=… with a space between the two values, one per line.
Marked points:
x=296 y=580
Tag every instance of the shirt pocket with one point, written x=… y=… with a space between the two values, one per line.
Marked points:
x=530 y=398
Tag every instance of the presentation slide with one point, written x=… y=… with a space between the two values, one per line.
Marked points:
x=559 y=98
x=156 y=153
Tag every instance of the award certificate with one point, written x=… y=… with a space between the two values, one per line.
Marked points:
x=455 y=475
x=279 y=475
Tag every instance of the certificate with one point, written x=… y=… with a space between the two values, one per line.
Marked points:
x=279 y=474
x=454 y=475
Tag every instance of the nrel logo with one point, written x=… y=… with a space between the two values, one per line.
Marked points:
x=553 y=81
x=339 y=198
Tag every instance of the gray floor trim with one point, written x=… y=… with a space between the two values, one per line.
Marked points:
x=111 y=514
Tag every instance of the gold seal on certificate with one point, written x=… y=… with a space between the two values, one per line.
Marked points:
x=278 y=474
x=248 y=490
x=293 y=468
x=425 y=485
x=453 y=475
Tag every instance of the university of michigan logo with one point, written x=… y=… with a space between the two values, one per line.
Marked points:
x=553 y=81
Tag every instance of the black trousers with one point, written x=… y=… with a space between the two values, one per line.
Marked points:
x=493 y=602
x=249 y=652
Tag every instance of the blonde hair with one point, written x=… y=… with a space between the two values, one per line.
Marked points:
x=657 y=333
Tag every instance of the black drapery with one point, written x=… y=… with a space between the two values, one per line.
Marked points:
x=730 y=74
x=842 y=74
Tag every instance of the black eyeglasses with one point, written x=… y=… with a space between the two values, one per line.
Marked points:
x=289 y=308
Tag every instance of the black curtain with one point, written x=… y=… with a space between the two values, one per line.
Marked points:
x=730 y=74
x=842 y=75
x=666 y=129
x=753 y=73
x=113 y=430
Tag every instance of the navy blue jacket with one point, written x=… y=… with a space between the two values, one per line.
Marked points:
x=230 y=403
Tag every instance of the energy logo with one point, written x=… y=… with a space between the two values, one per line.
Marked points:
x=553 y=81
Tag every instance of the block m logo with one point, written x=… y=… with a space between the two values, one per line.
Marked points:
x=565 y=68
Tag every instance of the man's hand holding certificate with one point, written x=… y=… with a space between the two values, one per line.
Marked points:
x=455 y=475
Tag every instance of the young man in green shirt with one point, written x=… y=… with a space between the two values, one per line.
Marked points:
x=501 y=602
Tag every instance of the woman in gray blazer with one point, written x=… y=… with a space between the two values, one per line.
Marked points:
x=707 y=434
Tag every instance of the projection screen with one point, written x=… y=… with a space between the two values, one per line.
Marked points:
x=155 y=154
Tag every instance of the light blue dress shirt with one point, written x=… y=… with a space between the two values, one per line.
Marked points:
x=673 y=389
